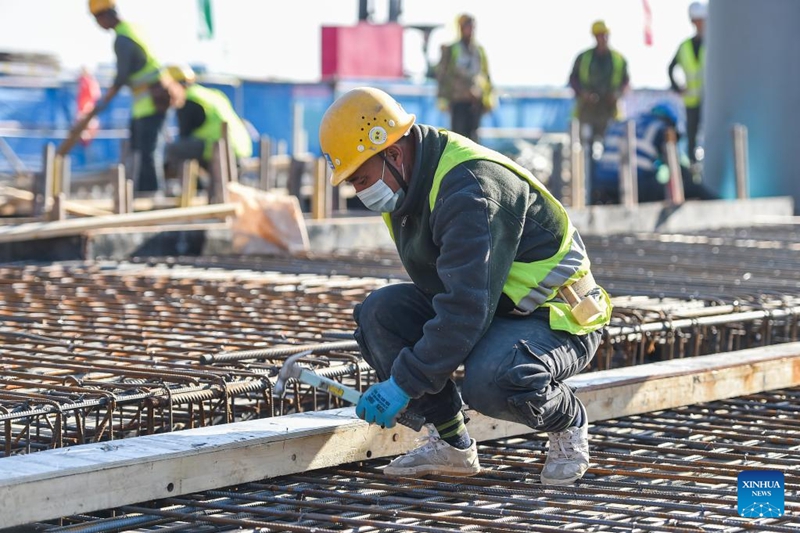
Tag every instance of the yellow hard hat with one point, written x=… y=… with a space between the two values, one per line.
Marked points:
x=359 y=124
x=599 y=27
x=98 y=6
x=464 y=18
x=181 y=73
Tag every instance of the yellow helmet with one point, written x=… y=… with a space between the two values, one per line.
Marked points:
x=599 y=27
x=98 y=6
x=359 y=124
x=181 y=73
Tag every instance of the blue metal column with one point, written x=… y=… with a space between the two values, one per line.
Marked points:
x=753 y=78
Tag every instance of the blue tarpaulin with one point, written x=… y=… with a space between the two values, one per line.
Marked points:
x=31 y=116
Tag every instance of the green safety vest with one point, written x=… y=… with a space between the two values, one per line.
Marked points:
x=487 y=98
x=218 y=109
x=693 y=70
x=140 y=81
x=523 y=278
x=617 y=62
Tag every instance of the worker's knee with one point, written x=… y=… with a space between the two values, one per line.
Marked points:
x=519 y=387
x=382 y=306
x=390 y=319
x=491 y=379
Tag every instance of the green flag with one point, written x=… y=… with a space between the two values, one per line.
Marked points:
x=205 y=28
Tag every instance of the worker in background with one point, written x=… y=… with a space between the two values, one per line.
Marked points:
x=494 y=261
x=651 y=159
x=464 y=86
x=691 y=58
x=599 y=78
x=138 y=69
x=200 y=113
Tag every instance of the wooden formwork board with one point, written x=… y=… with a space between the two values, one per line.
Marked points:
x=45 y=230
x=81 y=479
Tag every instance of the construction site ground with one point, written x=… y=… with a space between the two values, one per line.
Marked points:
x=696 y=381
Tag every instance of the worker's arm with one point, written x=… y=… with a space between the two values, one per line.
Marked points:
x=190 y=117
x=626 y=80
x=574 y=77
x=477 y=233
x=624 y=83
x=130 y=58
x=671 y=72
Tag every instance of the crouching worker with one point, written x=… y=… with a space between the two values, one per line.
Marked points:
x=652 y=172
x=200 y=113
x=501 y=284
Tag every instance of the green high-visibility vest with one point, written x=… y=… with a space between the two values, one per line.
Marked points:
x=218 y=109
x=524 y=278
x=487 y=98
x=140 y=81
x=692 y=66
x=617 y=62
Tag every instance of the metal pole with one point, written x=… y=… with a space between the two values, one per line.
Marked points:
x=120 y=190
x=299 y=145
x=675 y=194
x=628 y=176
x=578 y=166
x=320 y=201
x=740 y=161
x=265 y=172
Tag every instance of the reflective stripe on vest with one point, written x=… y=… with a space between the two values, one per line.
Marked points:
x=140 y=80
x=693 y=70
x=617 y=62
x=529 y=285
x=218 y=109
x=647 y=128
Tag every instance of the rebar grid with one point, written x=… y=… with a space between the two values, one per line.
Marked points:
x=105 y=350
x=96 y=352
x=669 y=471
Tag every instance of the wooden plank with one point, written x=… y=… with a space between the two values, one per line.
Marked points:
x=142 y=203
x=675 y=194
x=120 y=204
x=189 y=172
x=156 y=466
x=75 y=207
x=218 y=174
x=41 y=230
x=43 y=182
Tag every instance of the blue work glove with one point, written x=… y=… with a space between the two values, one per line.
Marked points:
x=382 y=403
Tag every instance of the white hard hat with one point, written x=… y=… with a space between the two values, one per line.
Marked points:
x=698 y=11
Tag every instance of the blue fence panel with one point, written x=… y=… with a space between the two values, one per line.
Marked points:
x=270 y=108
x=31 y=116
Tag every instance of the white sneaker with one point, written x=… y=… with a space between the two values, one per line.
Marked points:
x=568 y=456
x=436 y=457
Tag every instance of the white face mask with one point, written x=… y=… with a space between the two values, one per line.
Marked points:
x=380 y=197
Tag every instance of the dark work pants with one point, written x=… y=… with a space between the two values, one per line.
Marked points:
x=465 y=118
x=692 y=127
x=147 y=141
x=516 y=372
x=650 y=190
x=185 y=150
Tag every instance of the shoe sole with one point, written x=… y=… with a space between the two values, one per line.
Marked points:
x=424 y=471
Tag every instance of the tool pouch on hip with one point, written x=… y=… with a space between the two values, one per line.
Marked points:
x=585 y=308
